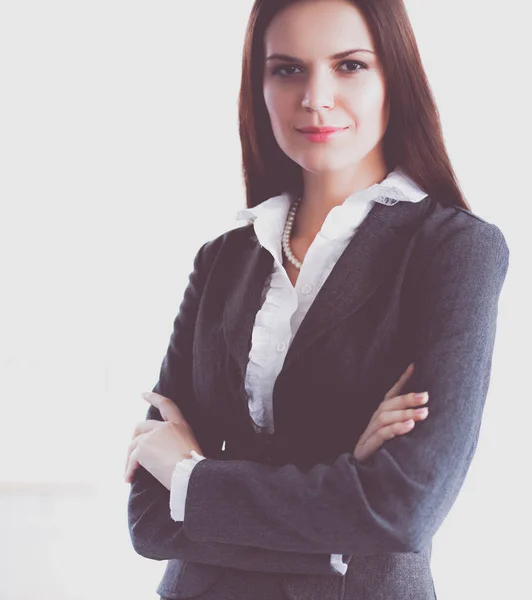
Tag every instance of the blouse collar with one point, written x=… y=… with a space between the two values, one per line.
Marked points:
x=269 y=217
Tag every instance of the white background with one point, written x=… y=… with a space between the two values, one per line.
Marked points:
x=119 y=157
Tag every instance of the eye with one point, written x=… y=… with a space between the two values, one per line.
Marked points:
x=284 y=70
x=353 y=66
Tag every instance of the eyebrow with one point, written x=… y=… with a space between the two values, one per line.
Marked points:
x=288 y=58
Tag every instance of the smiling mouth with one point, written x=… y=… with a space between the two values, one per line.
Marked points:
x=321 y=134
x=321 y=129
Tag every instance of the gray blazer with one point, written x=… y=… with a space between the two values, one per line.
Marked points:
x=419 y=282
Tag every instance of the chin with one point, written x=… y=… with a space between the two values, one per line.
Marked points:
x=329 y=156
x=326 y=162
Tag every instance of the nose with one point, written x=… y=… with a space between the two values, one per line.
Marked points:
x=319 y=94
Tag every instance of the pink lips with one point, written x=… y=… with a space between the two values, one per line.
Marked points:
x=321 y=134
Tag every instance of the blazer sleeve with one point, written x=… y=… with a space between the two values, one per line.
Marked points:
x=154 y=534
x=396 y=500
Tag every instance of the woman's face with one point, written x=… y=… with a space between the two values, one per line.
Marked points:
x=313 y=79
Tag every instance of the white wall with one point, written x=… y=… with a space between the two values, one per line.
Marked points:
x=119 y=156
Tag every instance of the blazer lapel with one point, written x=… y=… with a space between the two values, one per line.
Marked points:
x=245 y=300
x=368 y=260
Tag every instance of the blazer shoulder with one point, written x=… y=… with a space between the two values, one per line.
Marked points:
x=231 y=241
x=449 y=225
x=239 y=236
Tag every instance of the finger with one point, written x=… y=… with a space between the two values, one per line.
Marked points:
x=131 y=466
x=396 y=388
x=133 y=446
x=168 y=409
x=374 y=442
x=146 y=426
x=404 y=401
x=399 y=408
x=388 y=417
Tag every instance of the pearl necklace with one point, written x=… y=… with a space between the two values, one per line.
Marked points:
x=288 y=232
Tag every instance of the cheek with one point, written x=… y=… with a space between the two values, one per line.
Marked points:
x=277 y=106
x=367 y=102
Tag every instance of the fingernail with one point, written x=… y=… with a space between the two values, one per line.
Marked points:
x=421 y=397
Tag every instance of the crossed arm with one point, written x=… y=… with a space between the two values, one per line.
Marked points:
x=286 y=520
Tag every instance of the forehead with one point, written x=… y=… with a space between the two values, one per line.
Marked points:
x=312 y=28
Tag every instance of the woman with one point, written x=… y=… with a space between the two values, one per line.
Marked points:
x=284 y=454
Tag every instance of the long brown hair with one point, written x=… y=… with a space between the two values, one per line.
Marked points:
x=413 y=139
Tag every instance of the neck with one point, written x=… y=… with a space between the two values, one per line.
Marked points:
x=323 y=191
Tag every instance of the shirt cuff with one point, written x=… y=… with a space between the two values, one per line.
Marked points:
x=338 y=564
x=179 y=485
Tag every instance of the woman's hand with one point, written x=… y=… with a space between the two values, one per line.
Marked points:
x=159 y=445
x=395 y=415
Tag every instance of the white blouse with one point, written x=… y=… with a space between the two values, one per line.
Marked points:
x=284 y=306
